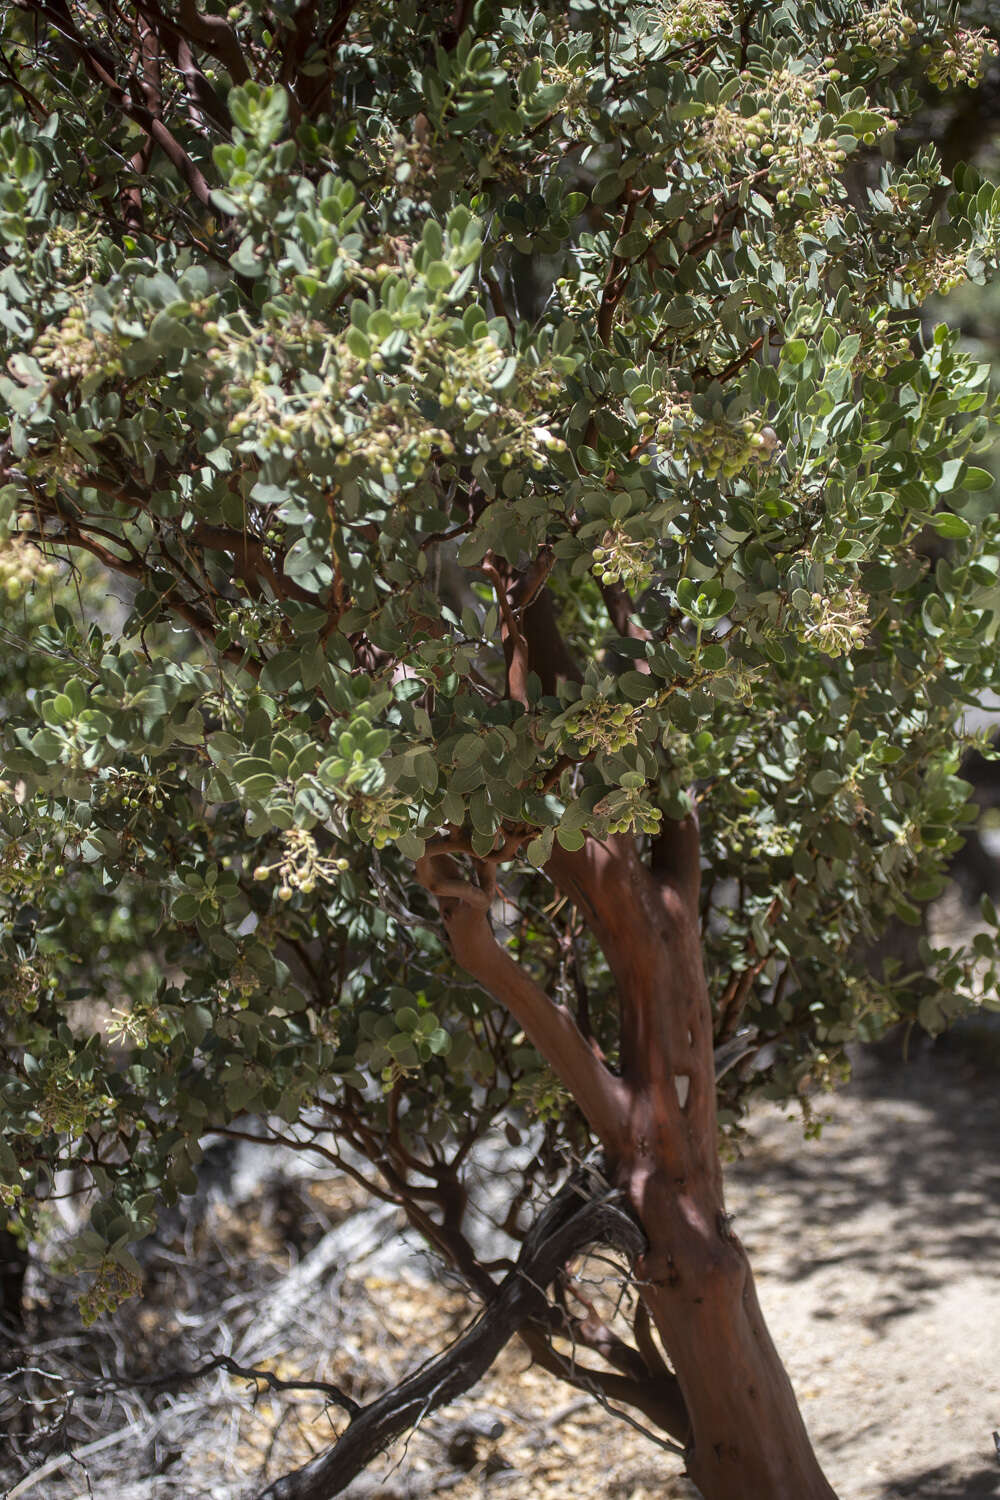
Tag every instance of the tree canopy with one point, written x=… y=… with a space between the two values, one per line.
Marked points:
x=510 y=430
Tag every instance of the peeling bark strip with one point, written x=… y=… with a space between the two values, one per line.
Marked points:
x=574 y=1220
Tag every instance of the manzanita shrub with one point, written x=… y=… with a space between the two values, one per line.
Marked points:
x=512 y=431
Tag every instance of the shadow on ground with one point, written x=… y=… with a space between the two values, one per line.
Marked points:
x=929 y=1165
x=944 y=1484
x=878 y=1253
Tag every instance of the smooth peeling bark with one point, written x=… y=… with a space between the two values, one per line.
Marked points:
x=747 y=1440
x=549 y=1025
x=657 y=1124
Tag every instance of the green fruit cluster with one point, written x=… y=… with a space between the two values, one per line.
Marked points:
x=131 y=788
x=693 y=20
x=887 y=350
x=936 y=273
x=886 y=28
x=721 y=448
x=602 y=725
x=22 y=566
x=620 y=558
x=301 y=866
x=380 y=819
x=798 y=165
x=626 y=810
x=961 y=59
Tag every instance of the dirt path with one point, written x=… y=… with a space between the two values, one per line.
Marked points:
x=878 y=1255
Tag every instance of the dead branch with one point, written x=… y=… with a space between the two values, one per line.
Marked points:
x=574 y=1220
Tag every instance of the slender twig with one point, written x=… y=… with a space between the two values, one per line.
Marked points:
x=58 y=15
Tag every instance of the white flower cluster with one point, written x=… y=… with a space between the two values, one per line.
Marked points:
x=379 y=424
x=835 y=623
x=74 y=350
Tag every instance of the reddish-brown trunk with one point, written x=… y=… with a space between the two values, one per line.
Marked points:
x=657 y=1123
x=747 y=1439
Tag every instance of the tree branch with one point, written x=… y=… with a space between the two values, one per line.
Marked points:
x=457 y=23
x=618 y=270
x=36 y=106
x=148 y=59
x=58 y=15
x=246 y=1372
x=737 y=991
x=249 y=559
x=676 y=859
x=198 y=622
x=657 y=1396
x=735 y=365
x=642 y=1328
x=548 y=654
x=517 y=596
x=177 y=45
x=216 y=36
x=515 y=647
x=573 y=1221
x=647 y=924
x=547 y=1023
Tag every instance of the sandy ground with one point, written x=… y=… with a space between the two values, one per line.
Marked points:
x=877 y=1253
